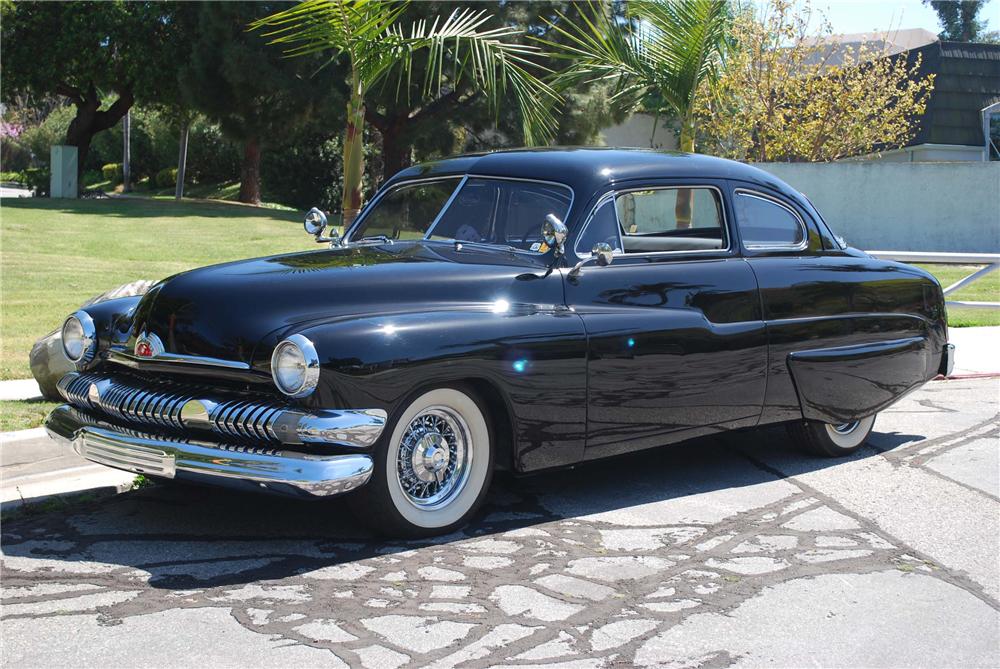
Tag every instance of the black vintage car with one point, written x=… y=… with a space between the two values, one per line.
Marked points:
x=517 y=310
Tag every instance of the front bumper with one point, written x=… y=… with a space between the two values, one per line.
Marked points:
x=271 y=469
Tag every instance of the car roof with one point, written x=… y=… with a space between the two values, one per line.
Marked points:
x=586 y=169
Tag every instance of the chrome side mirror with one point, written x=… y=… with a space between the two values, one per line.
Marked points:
x=554 y=232
x=316 y=223
x=602 y=254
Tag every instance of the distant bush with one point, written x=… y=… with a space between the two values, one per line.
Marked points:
x=38 y=180
x=113 y=172
x=166 y=178
x=305 y=173
x=211 y=158
x=12 y=177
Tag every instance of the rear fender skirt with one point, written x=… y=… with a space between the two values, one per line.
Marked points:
x=842 y=384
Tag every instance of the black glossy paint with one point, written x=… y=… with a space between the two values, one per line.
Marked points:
x=647 y=351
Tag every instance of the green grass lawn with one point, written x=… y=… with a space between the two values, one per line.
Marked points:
x=55 y=254
x=23 y=415
x=984 y=289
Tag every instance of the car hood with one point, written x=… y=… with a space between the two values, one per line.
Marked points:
x=226 y=311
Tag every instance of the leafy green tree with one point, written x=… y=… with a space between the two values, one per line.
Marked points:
x=89 y=53
x=960 y=19
x=462 y=118
x=655 y=50
x=257 y=96
x=382 y=50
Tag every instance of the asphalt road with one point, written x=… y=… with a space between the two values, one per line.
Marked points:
x=733 y=551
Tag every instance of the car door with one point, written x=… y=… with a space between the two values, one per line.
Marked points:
x=676 y=343
x=845 y=331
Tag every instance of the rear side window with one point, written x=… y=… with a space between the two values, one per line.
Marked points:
x=764 y=223
x=670 y=219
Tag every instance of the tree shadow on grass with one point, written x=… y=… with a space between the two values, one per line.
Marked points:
x=143 y=207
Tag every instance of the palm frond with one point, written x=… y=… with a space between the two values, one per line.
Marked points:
x=664 y=46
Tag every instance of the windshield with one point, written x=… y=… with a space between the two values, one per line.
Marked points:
x=483 y=210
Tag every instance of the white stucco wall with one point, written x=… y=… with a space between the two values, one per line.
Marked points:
x=904 y=206
x=637 y=130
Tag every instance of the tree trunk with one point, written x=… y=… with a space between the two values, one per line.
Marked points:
x=250 y=172
x=89 y=120
x=685 y=196
x=354 y=164
x=182 y=161
x=127 y=152
x=397 y=152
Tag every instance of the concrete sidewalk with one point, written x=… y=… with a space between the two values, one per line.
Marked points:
x=20 y=389
x=977 y=350
x=34 y=467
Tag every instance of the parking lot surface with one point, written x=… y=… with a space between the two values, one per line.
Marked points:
x=728 y=551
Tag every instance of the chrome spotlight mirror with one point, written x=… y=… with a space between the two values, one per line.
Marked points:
x=315 y=222
x=602 y=254
x=554 y=233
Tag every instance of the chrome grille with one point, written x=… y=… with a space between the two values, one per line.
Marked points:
x=160 y=405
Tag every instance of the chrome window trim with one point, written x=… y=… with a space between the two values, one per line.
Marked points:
x=385 y=191
x=615 y=193
x=801 y=246
x=134 y=361
x=569 y=207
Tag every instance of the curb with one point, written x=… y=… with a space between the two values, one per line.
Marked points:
x=22 y=435
x=22 y=507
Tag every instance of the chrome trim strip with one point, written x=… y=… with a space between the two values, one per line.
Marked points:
x=613 y=194
x=173 y=407
x=801 y=246
x=135 y=362
x=279 y=471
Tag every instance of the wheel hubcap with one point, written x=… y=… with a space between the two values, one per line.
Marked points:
x=434 y=455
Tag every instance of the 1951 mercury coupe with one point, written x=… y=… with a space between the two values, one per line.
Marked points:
x=516 y=310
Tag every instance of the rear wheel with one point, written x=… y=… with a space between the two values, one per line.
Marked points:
x=432 y=473
x=831 y=439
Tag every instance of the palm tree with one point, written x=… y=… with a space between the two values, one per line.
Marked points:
x=380 y=51
x=660 y=49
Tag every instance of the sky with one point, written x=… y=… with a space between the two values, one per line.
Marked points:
x=856 y=16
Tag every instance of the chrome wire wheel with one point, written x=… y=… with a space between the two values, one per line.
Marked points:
x=434 y=458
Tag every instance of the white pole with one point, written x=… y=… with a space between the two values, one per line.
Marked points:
x=182 y=161
x=127 y=150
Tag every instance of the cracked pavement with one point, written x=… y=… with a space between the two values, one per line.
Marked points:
x=728 y=551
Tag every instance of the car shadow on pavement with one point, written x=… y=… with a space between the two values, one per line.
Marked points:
x=185 y=536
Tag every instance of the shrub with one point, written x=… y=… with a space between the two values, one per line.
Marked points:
x=12 y=177
x=166 y=178
x=305 y=173
x=211 y=158
x=113 y=172
x=38 y=180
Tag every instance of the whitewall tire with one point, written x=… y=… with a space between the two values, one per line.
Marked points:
x=832 y=439
x=433 y=471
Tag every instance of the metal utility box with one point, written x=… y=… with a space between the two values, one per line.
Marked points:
x=63 y=165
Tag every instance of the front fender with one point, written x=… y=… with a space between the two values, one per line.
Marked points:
x=535 y=358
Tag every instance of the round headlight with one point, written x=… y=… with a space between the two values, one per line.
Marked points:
x=79 y=339
x=295 y=366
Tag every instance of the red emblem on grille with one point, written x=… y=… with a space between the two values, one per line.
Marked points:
x=143 y=349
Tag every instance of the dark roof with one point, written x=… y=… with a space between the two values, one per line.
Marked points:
x=588 y=169
x=967 y=79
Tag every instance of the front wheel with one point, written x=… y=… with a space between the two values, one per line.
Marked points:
x=829 y=439
x=433 y=472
